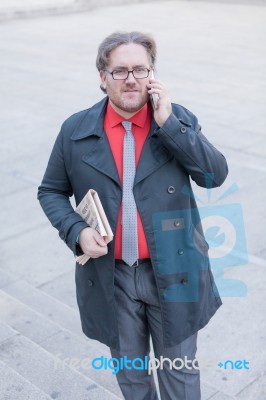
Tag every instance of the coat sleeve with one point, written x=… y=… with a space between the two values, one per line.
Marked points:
x=183 y=138
x=54 y=193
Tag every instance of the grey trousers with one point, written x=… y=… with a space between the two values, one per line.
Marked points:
x=139 y=317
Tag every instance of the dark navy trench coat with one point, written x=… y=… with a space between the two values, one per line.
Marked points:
x=172 y=155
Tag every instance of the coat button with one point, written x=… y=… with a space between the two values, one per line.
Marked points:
x=184 y=281
x=177 y=223
x=180 y=251
x=183 y=129
x=171 y=189
x=90 y=283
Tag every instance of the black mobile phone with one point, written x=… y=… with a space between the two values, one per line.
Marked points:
x=154 y=97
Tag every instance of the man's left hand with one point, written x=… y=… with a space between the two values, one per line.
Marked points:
x=163 y=107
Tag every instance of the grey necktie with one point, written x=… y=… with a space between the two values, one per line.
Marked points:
x=129 y=209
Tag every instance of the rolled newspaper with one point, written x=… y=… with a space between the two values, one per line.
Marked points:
x=91 y=210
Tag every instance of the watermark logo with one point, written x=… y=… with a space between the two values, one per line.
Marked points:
x=234 y=365
x=118 y=364
x=212 y=232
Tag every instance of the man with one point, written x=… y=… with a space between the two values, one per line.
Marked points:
x=154 y=277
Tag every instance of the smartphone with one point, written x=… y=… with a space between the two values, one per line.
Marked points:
x=154 y=97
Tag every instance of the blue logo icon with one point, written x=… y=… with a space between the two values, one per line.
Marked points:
x=212 y=233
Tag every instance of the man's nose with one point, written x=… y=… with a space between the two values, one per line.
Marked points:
x=130 y=77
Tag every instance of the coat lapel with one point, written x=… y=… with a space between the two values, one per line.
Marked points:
x=153 y=156
x=99 y=155
x=101 y=158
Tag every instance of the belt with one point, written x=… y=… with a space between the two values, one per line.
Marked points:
x=136 y=264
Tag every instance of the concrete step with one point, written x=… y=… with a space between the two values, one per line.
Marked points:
x=62 y=288
x=49 y=307
x=49 y=374
x=42 y=263
x=29 y=9
x=14 y=386
x=77 y=352
x=44 y=306
x=25 y=320
x=46 y=322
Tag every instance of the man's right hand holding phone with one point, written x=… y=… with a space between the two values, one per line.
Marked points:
x=162 y=105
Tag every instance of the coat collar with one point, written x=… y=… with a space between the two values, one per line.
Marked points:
x=92 y=122
x=152 y=156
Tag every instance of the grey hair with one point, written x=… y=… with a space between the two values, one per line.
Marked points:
x=117 y=39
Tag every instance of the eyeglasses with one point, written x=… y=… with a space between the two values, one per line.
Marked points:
x=138 y=73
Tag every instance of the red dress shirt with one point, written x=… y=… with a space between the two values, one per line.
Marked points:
x=115 y=133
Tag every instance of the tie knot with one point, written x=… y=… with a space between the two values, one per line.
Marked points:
x=127 y=125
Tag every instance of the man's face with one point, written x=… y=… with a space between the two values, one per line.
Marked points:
x=128 y=95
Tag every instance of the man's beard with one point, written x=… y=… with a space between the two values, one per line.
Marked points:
x=130 y=106
x=125 y=104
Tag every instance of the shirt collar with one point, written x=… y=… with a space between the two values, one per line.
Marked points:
x=138 y=119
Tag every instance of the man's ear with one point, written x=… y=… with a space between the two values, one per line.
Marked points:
x=103 y=79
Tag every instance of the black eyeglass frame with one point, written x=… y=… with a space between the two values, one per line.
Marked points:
x=128 y=72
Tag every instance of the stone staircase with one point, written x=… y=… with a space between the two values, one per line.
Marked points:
x=43 y=353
